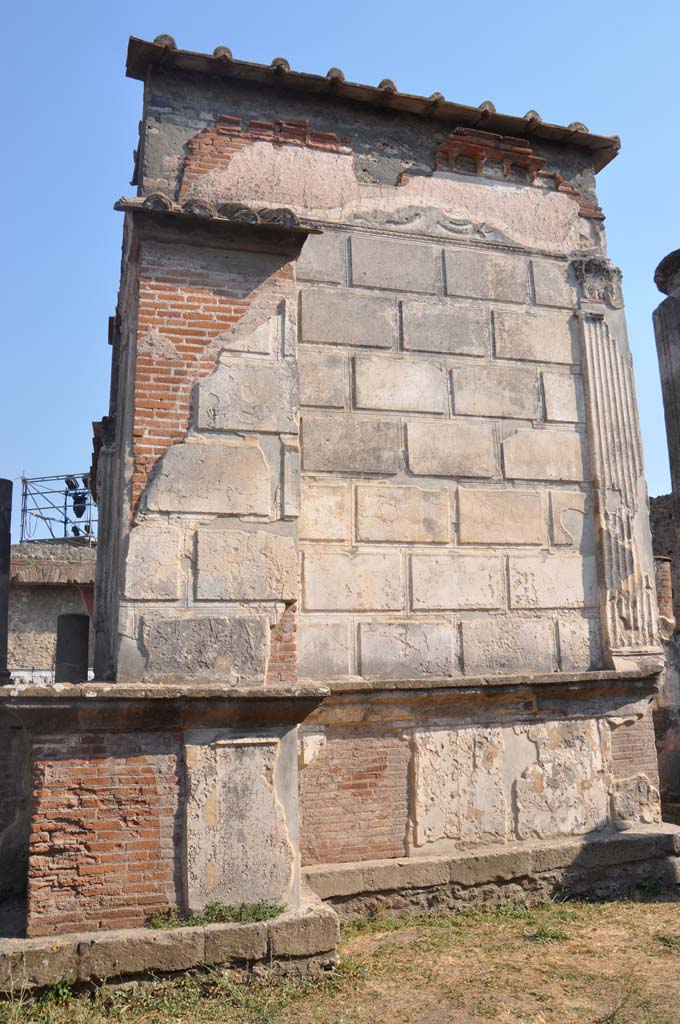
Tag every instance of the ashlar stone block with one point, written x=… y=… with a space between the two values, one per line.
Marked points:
x=233 y=648
x=484 y=275
x=456 y=582
x=325 y=511
x=341 y=317
x=249 y=394
x=344 y=581
x=237 y=566
x=448 y=327
x=406 y=650
x=152 y=571
x=491 y=390
x=350 y=444
x=509 y=516
x=580 y=643
x=401 y=383
x=543 y=337
x=400 y=266
x=455 y=448
x=323 y=258
x=552 y=581
x=226 y=477
x=563 y=395
x=324 y=648
x=402 y=514
x=554 y=283
x=503 y=645
x=544 y=455
x=322 y=377
x=569 y=524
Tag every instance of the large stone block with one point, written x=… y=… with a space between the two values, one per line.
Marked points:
x=544 y=455
x=226 y=477
x=341 y=317
x=152 y=563
x=484 y=275
x=219 y=648
x=501 y=517
x=580 y=644
x=339 y=581
x=249 y=394
x=537 y=337
x=324 y=648
x=322 y=377
x=401 y=383
x=456 y=581
x=492 y=390
x=563 y=395
x=325 y=511
x=454 y=449
x=401 y=266
x=350 y=444
x=552 y=581
x=554 y=283
x=323 y=258
x=233 y=565
x=508 y=645
x=407 y=650
x=449 y=327
x=569 y=522
x=402 y=514
x=239 y=844
x=459 y=793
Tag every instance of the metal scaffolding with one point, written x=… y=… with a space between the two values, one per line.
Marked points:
x=57 y=506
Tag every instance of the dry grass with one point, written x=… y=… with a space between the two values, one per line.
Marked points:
x=572 y=963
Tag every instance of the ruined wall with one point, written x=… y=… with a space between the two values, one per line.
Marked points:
x=33 y=614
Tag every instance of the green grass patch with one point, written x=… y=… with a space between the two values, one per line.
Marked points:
x=216 y=913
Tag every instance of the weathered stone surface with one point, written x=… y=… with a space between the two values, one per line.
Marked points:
x=407 y=650
x=324 y=649
x=34 y=963
x=323 y=258
x=231 y=478
x=456 y=449
x=544 y=455
x=237 y=566
x=449 y=327
x=221 y=648
x=341 y=317
x=312 y=930
x=411 y=384
x=456 y=581
x=397 y=513
x=340 y=581
x=350 y=444
x=539 y=337
x=137 y=951
x=569 y=524
x=499 y=646
x=249 y=394
x=290 y=498
x=636 y=800
x=501 y=517
x=580 y=645
x=484 y=275
x=492 y=390
x=563 y=398
x=325 y=511
x=554 y=283
x=322 y=377
x=235 y=778
x=564 y=787
x=552 y=581
x=226 y=942
x=459 y=795
x=401 y=266
x=152 y=564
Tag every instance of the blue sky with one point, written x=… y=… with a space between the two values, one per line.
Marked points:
x=70 y=125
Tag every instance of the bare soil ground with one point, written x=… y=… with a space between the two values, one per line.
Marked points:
x=569 y=963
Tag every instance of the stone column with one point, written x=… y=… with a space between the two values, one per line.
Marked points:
x=667 y=331
x=628 y=607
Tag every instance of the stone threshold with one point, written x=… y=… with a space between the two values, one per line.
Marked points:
x=496 y=864
x=296 y=942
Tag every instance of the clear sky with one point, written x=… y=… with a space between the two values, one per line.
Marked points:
x=70 y=124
